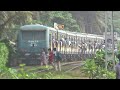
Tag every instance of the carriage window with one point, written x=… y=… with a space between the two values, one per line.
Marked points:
x=39 y=35
x=27 y=35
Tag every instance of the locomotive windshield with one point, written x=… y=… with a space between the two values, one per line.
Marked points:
x=39 y=35
x=26 y=35
x=33 y=35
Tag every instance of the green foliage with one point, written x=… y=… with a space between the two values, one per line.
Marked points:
x=95 y=68
x=3 y=55
x=61 y=17
x=8 y=20
x=102 y=73
x=96 y=72
x=64 y=17
x=11 y=33
x=17 y=74
x=90 y=68
x=22 y=74
x=11 y=49
x=36 y=22
x=73 y=20
x=100 y=58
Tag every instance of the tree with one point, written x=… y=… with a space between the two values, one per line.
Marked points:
x=48 y=18
x=64 y=17
x=94 y=21
x=8 y=20
x=86 y=20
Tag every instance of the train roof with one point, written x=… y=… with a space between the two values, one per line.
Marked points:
x=39 y=27
x=33 y=27
x=43 y=27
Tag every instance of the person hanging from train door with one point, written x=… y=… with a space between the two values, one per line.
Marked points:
x=58 y=59
x=89 y=45
x=65 y=41
x=51 y=57
x=83 y=49
x=43 y=58
x=80 y=49
x=95 y=46
x=53 y=43
x=60 y=44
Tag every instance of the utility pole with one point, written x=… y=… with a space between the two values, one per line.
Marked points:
x=106 y=40
x=109 y=39
x=112 y=32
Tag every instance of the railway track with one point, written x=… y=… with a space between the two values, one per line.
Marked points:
x=66 y=67
x=72 y=66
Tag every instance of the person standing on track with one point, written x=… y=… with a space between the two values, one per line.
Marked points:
x=43 y=58
x=57 y=59
x=51 y=57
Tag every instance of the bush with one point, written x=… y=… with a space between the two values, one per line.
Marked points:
x=4 y=52
x=92 y=70
x=100 y=58
x=95 y=68
x=9 y=73
x=11 y=49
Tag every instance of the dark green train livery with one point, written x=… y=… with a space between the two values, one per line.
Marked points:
x=32 y=38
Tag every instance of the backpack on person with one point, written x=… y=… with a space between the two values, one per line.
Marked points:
x=58 y=56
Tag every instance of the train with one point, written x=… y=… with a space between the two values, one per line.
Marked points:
x=32 y=38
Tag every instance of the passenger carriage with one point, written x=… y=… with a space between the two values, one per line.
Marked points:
x=32 y=38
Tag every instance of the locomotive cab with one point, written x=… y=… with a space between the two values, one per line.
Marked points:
x=31 y=39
